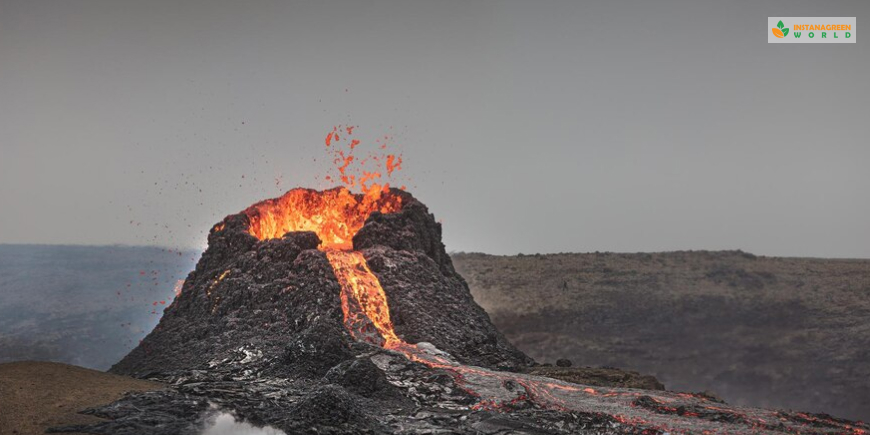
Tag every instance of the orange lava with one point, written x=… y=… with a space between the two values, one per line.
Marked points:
x=335 y=215
x=357 y=168
x=366 y=312
x=393 y=163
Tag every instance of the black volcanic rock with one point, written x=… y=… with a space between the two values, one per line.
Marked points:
x=315 y=350
x=411 y=229
x=332 y=409
x=360 y=376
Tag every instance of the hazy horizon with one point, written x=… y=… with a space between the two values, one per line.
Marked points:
x=198 y=250
x=621 y=127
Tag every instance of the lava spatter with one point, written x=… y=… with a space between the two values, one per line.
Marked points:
x=357 y=168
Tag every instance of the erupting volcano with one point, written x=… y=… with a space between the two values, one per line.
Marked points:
x=340 y=312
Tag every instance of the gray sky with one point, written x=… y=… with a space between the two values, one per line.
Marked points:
x=525 y=126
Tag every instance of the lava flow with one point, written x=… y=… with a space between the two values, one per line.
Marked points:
x=366 y=313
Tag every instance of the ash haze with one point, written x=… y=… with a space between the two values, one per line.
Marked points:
x=525 y=126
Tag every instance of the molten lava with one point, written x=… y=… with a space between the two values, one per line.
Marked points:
x=335 y=215
x=366 y=312
x=360 y=171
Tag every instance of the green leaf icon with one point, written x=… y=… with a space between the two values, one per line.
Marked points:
x=784 y=32
x=780 y=25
